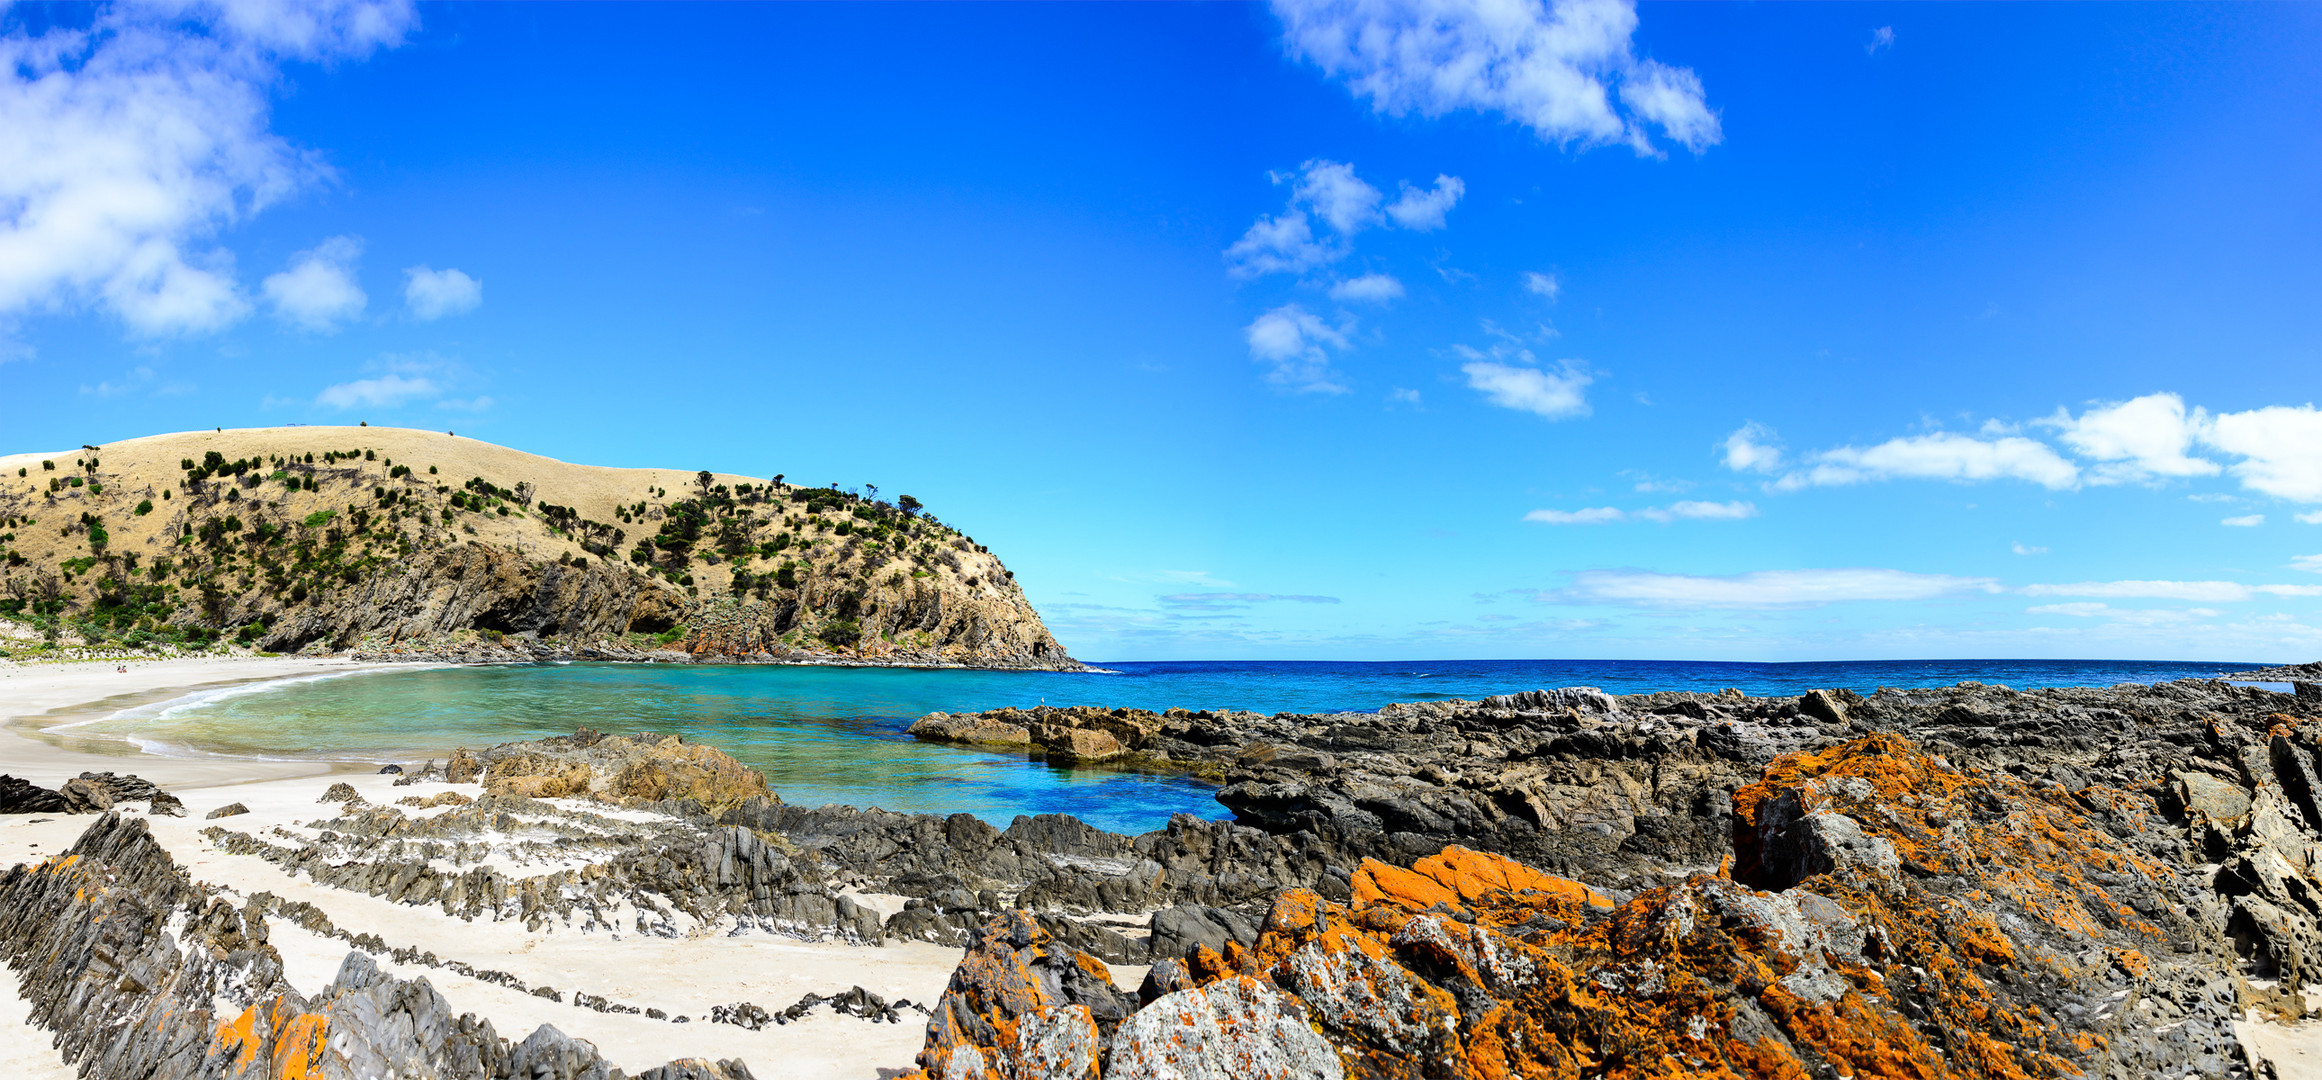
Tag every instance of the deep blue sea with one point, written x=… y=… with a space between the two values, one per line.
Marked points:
x=836 y=735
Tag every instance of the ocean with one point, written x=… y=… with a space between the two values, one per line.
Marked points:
x=836 y=735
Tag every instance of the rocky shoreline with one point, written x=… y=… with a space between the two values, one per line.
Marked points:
x=1961 y=881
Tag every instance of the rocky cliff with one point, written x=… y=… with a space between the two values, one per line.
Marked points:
x=392 y=543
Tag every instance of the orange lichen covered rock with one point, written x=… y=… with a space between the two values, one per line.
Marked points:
x=1887 y=915
x=1457 y=875
x=1020 y=1006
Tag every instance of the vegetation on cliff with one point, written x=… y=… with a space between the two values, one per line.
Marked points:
x=392 y=541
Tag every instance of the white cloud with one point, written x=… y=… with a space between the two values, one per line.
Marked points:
x=2022 y=548
x=318 y=292
x=1402 y=396
x=2131 y=616
x=1539 y=284
x=1941 y=456
x=1598 y=515
x=1368 y=289
x=2311 y=564
x=1763 y=588
x=1337 y=195
x=433 y=294
x=1552 y=67
x=1330 y=193
x=1881 y=38
x=1553 y=394
x=2280 y=448
x=1687 y=510
x=1750 y=449
x=1423 y=209
x=384 y=391
x=1697 y=510
x=1284 y=244
x=125 y=146
x=2212 y=592
x=2245 y=521
x=1292 y=341
x=2140 y=439
x=2314 y=518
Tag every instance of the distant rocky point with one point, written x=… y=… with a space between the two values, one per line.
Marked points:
x=398 y=544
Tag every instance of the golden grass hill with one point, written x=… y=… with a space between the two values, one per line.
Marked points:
x=389 y=543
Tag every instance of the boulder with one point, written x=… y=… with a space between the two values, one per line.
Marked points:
x=85 y=796
x=463 y=768
x=1016 y=999
x=23 y=797
x=1236 y=1028
x=228 y=810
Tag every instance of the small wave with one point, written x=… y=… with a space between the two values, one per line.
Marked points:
x=174 y=707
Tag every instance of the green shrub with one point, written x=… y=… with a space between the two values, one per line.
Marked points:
x=841 y=633
x=320 y=518
x=144 y=507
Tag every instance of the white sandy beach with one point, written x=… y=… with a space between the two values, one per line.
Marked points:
x=682 y=976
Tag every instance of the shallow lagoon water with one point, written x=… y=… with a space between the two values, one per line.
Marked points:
x=836 y=735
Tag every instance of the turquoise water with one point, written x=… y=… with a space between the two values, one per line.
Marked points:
x=836 y=735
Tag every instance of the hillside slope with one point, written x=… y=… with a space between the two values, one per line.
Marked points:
x=393 y=541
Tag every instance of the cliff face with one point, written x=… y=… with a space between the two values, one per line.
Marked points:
x=405 y=542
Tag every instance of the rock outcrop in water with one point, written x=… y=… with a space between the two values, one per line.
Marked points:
x=398 y=544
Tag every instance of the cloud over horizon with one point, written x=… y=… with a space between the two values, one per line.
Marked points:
x=1761 y=588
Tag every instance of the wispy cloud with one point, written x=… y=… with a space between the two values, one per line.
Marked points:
x=1557 y=395
x=2022 y=548
x=1367 y=289
x=1423 y=209
x=384 y=391
x=1539 y=284
x=1555 y=67
x=1761 y=589
x=1751 y=448
x=318 y=291
x=1881 y=38
x=2244 y=521
x=1294 y=344
x=1684 y=510
x=1939 y=456
x=1597 y=515
x=2211 y=592
x=2130 y=616
x=434 y=294
x=1329 y=194
x=1227 y=601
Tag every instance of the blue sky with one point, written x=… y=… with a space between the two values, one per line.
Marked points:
x=1379 y=329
